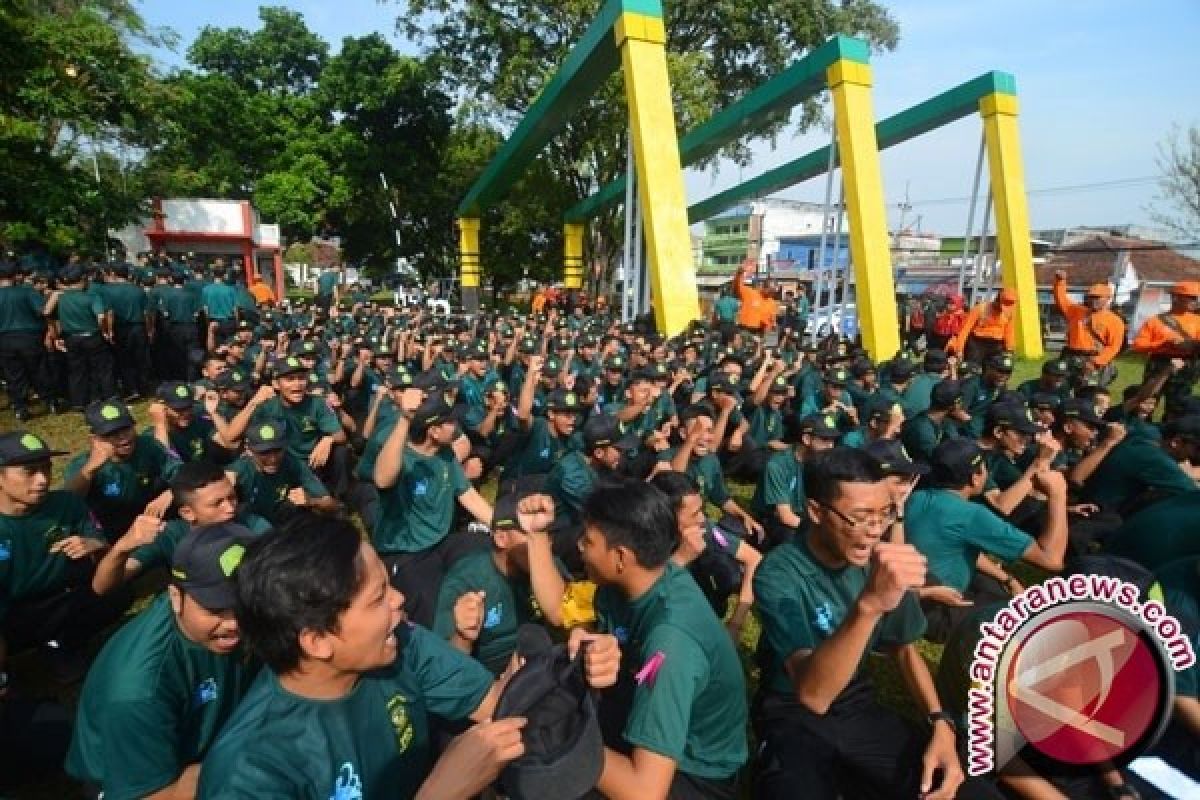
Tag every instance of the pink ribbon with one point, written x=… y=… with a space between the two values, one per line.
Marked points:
x=719 y=535
x=650 y=669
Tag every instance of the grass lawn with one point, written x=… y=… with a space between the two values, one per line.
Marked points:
x=68 y=432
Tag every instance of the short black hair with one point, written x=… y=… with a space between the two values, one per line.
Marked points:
x=825 y=472
x=193 y=476
x=299 y=577
x=635 y=515
x=676 y=486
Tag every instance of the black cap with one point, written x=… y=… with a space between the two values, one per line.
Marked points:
x=528 y=346
x=604 y=430
x=893 y=458
x=564 y=749
x=107 y=416
x=837 y=376
x=266 y=436
x=71 y=274
x=433 y=411
x=955 y=461
x=234 y=379
x=22 y=447
x=615 y=364
x=820 y=425
x=1082 y=410
x=205 y=560
x=1055 y=367
x=1001 y=362
x=723 y=382
x=902 y=369
x=1187 y=427
x=1011 y=415
x=303 y=347
x=936 y=360
x=504 y=512
x=398 y=377
x=945 y=395
x=563 y=400
x=287 y=365
x=779 y=385
x=1045 y=401
x=176 y=395
x=880 y=406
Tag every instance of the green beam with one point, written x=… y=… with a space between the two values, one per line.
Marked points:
x=589 y=63
x=947 y=107
x=803 y=79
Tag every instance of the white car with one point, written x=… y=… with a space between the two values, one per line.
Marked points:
x=844 y=321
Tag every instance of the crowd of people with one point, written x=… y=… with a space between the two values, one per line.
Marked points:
x=338 y=610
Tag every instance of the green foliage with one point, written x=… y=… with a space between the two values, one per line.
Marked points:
x=1178 y=205
x=73 y=87
x=499 y=54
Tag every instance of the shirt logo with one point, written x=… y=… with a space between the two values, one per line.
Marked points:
x=420 y=489
x=112 y=489
x=5 y=550
x=398 y=715
x=494 y=615
x=204 y=693
x=823 y=619
x=621 y=634
x=348 y=785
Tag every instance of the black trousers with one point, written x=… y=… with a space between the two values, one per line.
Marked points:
x=978 y=348
x=69 y=617
x=89 y=369
x=131 y=349
x=859 y=749
x=34 y=736
x=418 y=576
x=21 y=356
x=182 y=338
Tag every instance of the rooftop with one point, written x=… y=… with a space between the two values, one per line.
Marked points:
x=1092 y=261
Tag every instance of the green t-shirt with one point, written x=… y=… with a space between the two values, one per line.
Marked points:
x=27 y=567
x=952 y=532
x=152 y=704
x=1160 y=533
x=916 y=396
x=977 y=397
x=21 y=310
x=128 y=303
x=693 y=709
x=1134 y=466
x=306 y=423
x=159 y=552
x=120 y=490
x=782 y=481
x=1002 y=471
x=508 y=603
x=373 y=743
x=766 y=425
x=706 y=472
x=79 y=312
x=570 y=482
x=326 y=282
x=921 y=435
x=727 y=308
x=195 y=442
x=178 y=305
x=542 y=449
x=801 y=603
x=219 y=301
x=416 y=513
x=266 y=495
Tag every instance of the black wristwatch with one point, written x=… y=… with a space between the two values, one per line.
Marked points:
x=942 y=716
x=3 y=680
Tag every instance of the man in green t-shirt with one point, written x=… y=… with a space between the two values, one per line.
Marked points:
x=826 y=599
x=162 y=687
x=85 y=328
x=685 y=728
x=725 y=313
x=47 y=546
x=273 y=483
x=327 y=288
x=1139 y=472
x=696 y=458
x=420 y=481
x=779 y=495
x=924 y=432
x=343 y=707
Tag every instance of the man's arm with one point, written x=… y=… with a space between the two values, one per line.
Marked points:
x=1050 y=546
x=528 y=389
x=81 y=482
x=478 y=507
x=940 y=753
x=643 y=775
x=117 y=566
x=391 y=456
x=1079 y=474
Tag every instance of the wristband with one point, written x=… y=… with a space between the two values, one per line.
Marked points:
x=942 y=716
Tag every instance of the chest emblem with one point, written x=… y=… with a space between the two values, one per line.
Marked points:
x=397 y=709
x=494 y=615
x=5 y=550
x=111 y=489
x=347 y=786
x=420 y=489
x=204 y=693
x=823 y=619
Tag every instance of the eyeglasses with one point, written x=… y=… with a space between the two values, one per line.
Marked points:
x=863 y=523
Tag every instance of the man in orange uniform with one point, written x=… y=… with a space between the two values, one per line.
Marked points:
x=758 y=308
x=263 y=295
x=988 y=328
x=1174 y=334
x=1094 y=332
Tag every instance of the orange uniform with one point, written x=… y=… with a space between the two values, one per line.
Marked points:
x=262 y=294
x=758 y=311
x=1097 y=332
x=987 y=321
x=1157 y=338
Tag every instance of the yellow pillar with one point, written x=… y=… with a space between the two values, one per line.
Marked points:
x=858 y=153
x=468 y=251
x=642 y=40
x=573 y=255
x=1007 y=174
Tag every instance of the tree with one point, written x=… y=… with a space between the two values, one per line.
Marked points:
x=75 y=95
x=499 y=54
x=1179 y=161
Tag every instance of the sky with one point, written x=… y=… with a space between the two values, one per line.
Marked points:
x=1100 y=85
